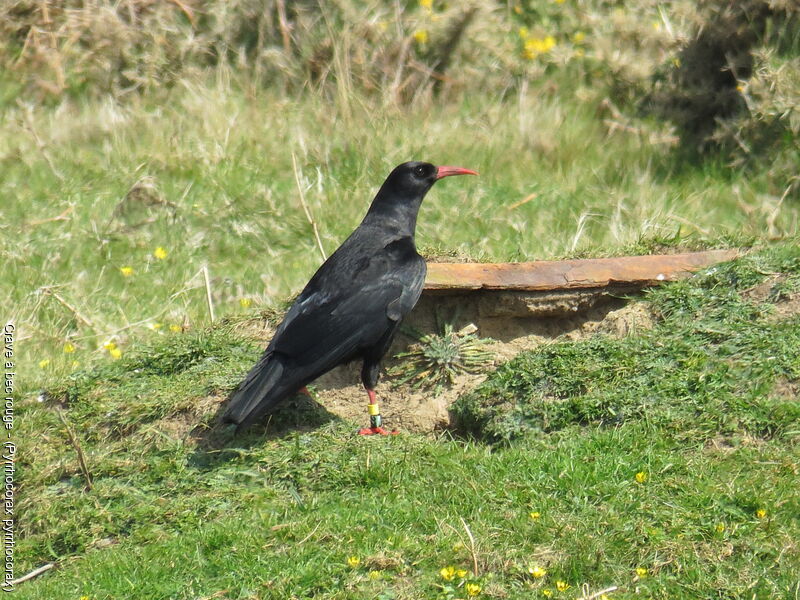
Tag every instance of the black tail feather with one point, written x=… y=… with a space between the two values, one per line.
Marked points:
x=260 y=391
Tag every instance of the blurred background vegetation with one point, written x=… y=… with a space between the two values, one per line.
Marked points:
x=141 y=140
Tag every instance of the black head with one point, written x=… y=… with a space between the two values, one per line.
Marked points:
x=400 y=196
x=414 y=179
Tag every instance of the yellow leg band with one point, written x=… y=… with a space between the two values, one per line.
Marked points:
x=373 y=410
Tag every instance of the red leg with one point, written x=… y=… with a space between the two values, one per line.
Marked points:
x=374 y=418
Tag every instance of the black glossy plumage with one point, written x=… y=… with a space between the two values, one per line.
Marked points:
x=352 y=306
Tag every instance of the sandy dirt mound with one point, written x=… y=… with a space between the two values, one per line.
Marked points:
x=515 y=323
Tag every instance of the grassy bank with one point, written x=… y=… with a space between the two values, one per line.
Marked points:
x=670 y=479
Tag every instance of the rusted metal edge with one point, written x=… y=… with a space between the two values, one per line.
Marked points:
x=640 y=271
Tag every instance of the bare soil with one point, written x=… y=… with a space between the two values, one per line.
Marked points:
x=514 y=321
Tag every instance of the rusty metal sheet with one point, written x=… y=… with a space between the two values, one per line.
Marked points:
x=570 y=274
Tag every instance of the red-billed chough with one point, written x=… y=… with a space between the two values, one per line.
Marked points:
x=353 y=304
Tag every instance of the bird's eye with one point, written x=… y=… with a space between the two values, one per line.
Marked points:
x=419 y=171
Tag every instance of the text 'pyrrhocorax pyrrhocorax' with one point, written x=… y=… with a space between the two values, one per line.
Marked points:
x=353 y=304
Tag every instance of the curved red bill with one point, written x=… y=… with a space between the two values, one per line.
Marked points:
x=447 y=171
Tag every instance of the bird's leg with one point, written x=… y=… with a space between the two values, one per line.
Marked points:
x=375 y=421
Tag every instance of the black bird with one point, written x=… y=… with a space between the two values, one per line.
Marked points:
x=353 y=304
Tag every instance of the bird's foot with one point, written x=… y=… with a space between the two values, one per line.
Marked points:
x=376 y=431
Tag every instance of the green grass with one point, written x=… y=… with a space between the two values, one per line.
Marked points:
x=220 y=190
x=179 y=515
x=96 y=174
x=715 y=351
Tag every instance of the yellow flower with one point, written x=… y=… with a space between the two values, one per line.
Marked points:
x=43 y=364
x=537 y=571
x=559 y=1
x=535 y=515
x=426 y=3
x=126 y=271
x=458 y=547
x=578 y=37
x=719 y=528
x=115 y=353
x=154 y=326
x=447 y=573
x=523 y=32
x=536 y=46
x=641 y=477
x=761 y=513
x=109 y=345
x=69 y=348
x=461 y=573
x=75 y=364
x=473 y=589
x=374 y=575
x=245 y=302
x=641 y=572
x=160 y=253
x=547 y=592
x=604 y=597
x=421 y=35
x=84 y=598
x=562 y=586
x=175 y=328
x=353 y=561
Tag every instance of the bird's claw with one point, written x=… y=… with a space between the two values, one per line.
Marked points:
x=376 y=431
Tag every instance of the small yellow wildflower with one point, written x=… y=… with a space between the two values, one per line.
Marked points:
x=160 y=253
x=473 y=589
x=69 y=348
x=740 y=88
x=536 y=46
x=426 y=3
x=126 y=271
x=761 y=513
x=461 y=573
x=175 y=328
x=353 y=561
x=43 y=364
x=547 y=592
x=578 y=37
x=537 y=571
x=458 y=547
x=523 y=32
x=374 y=575
x=84 y=598
x=719 y=528
x=560 y=1
x=109 y=345
x=604 y=597
x=421 y=35
x=154 y=326
x=641 y=572
x=535 y=515
x=641 y=477
x=115 y=353
x=75 y=364
x=562 y=586
x=447 y=573
x=245 y=302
